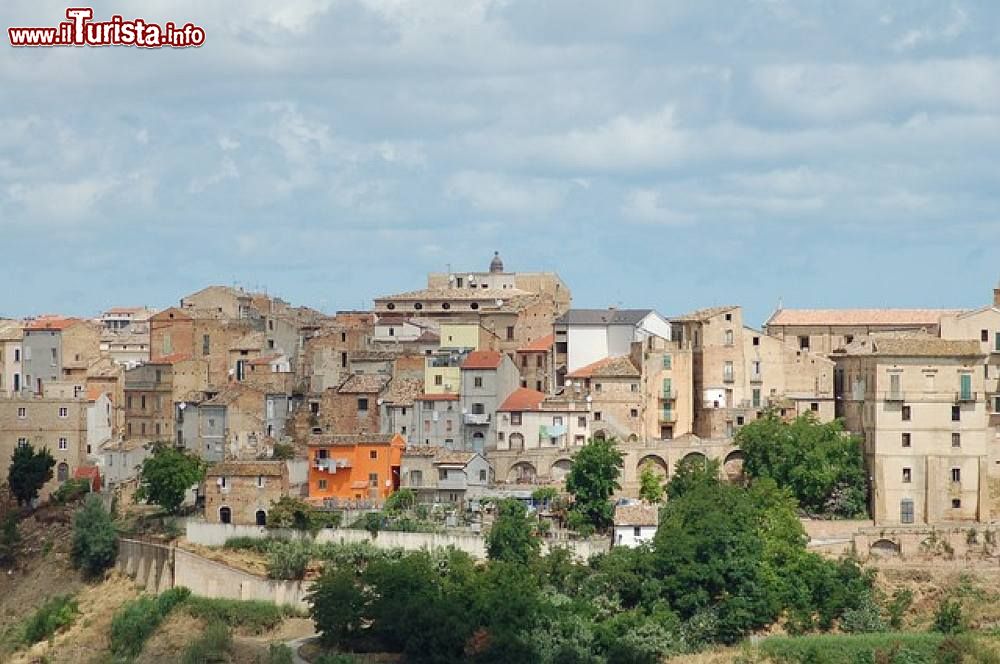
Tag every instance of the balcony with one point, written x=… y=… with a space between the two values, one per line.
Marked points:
x=966 y=397
x=668 y=416
x=476 y=418
x=894 y=396
x=452 y=484
x=756 y=377
x=668 y=395
x=728 y=378
x=330 y=465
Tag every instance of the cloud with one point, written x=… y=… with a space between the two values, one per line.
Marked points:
x=501 y=194
x=645 y=206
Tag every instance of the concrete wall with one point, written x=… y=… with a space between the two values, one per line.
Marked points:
x=211 y=534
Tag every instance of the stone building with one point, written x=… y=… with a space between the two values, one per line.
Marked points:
x=206 y=334
x=152 y=389
x=399 y=407
x=445 y=476
x=328 y=353
x=11 y=376
x=635 y=524
x=57 y=349
x=486 y=379
x=535 y=363
x=353 y=407
x=919 y=404
x=437 y=421
x=242 y=492
x=231 y=424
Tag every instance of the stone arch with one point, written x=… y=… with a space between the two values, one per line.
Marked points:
x=694 y=456
x=261 y=518
x=733 y=465
x=478 y=441
x=522 y=472
x=560 y=469
x=225 y=514
x=62 y=472
x=633 y=438
x=600 y=434
x=516 y=441
x=656 y=462
x=884 y=548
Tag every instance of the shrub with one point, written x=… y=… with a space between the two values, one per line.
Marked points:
x=136 y=620
x=56 y=614
x=863 y=619
x=401 y=500
x=336 y=658
x=212 y=646
x=948 y=617
x=95 y=542
x=72 y=489
x=279 y=653
x=289 y=560
x=9 y=539
x=337 y=603
x=898 y=606
x=254 y=616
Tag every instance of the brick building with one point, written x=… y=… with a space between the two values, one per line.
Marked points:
x=242 y=492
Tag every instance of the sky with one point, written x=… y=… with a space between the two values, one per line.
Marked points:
x=672 y=155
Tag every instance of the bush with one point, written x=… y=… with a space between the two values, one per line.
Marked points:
x=72 y=489
x=212 y=646
x=336 y=658
x=898 y=606
x=891 y=648
x=289 y=560
x=56 y=614
x=401 y=500
x=254 y=616
x=864 y=619
x=136 y=620
x=9 y=539
x=948 y=617
x=95 y=542
x=279 y=653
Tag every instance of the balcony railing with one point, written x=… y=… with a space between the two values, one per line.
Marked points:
x=728 y=378
x=668 y=416
x=966 y=397
x=756 y=377
x=454 y=484
x=894 y=395
x=477 y=418
x=668 y=395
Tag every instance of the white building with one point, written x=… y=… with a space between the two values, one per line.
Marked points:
x=635 y=524
x=584 y=336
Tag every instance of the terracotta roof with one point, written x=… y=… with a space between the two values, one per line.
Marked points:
x=437 y=397
x=859 y=316
x=482 y=359
x=327 y=440
x=638 y=514
x=246 y=469
x=94 y=392
x=616 y=366
x=11 y=330
x=428 y=336
x=363 y=384
x=539 y=345
x=457 y=294
x=912 y=347
x=453 y=457
x=610 y=316
x=522 y=399
x=51 y=323
x=403 y=391
x=704 y=314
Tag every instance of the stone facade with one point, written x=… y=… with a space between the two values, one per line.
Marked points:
x=241 y=493
x=57 y=423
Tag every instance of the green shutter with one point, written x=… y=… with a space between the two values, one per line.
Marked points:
x=966 y=386
x=666 y=387
x=666 y=358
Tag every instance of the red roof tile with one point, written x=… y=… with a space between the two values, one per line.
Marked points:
x=522 y=399
x=94 y=392
x=437 y=397
x=51 y=323
x=540 y=345
x=482 y=359
x=616 y=366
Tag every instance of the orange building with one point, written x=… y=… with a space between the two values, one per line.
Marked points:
x=354 y=466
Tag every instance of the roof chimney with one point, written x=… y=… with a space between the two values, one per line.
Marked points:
x=996 y=296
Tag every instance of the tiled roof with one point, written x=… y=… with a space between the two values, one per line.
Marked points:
x=617 y=366
x=374 y=355
x=858 y=316
x=246 y=469
x=438 y=397
x=403 y=391
x=11 y=330
x=522 y=399
x=482 y=359
x=51 y=324
x=265 y=359
x=94 y=392
x=327 y=440
x=638 y=514
x=453 y=457
x=428 y=336
x=541 y=344
x=704 y=314
x=363 y=384
x=231 y=393
x=603 y=316
x=927 y=346
x=457 y=294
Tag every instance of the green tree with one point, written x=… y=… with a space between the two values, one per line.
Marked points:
x=592 y=480
x=818 y=461
x=28 y=473
x=283 y=451
x=691 y=471
x=336 y=604
x=167 y=475
x=291 y=512
x=948 y=618
x=400 y=501
x=95 y=542
x=512 y=537
x=650 y=484
x=9 y=539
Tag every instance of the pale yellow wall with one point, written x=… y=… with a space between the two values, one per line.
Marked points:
x=460 y=335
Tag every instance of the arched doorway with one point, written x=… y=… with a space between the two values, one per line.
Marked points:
x=62 y=472
x=600 y=435
x=516 y=441
x=733 y=466
x=522 y=473
x=225 y=515
x=479 y=441
x=658 y=465
x=884 y=548
x=560 y=469
x=261 y=517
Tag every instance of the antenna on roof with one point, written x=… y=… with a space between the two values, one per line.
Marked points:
x=781 y=302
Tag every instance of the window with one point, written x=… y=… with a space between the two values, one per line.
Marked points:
x=905 y=439
x=906 y=511
x=143 y=428
x=539 y=361
x=956 y=440
x=157 y=428
x=447 y=425
x=17 y=354
x=984 y=335
x=729 y=316
x=482 y=475
x=578 y=440
x=956 y=503
x=373 y=454
x=478 y=409
x=515 y=418
x=205 y=344
x=636 y=531
x=803 y=343
x=756 y=341
x=581 y=421
x=907 y=475
x=729 y=337
x=557 y=420
x=956 y=475
x=438 y=379
x=510 y=333
x=727 y=371
x=55 y=357
x=956 y=413
x=477 y=381
x=343 y=336
x=814 y=407
x=755 y=400
x=740 y=420
x=321 y=484
x=22 y=442
x=343 y=360
x=597 y=416
x=224 y=482
x=635 y=387
x=159 y=376
x=362 y=405
x=666 y=361
x=905 y=413
x=500 y=436
x=22 y=413
x=597 y=387
x=142 y=402
x=442 y=473
x=373 y=480
x=634 y=412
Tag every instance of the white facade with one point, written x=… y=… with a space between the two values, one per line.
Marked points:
x=633 y=536
x=98 y=423
x=588 y=343
x=10 y=367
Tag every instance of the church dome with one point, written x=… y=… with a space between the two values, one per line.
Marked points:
x=496 y=265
